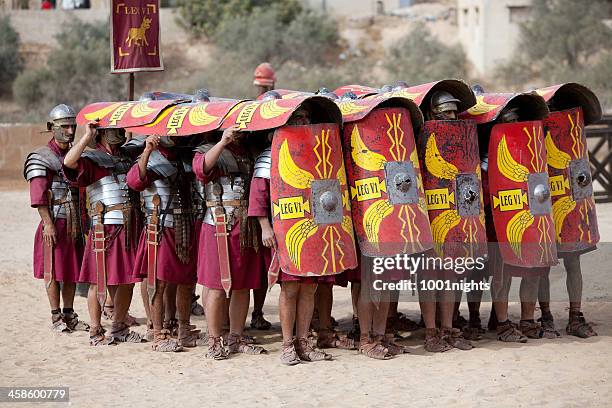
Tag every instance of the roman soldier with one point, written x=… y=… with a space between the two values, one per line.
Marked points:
x=264 y=78
x=224 y=167
x=388 y=202
x=512 y=141
x=572 y=106
x=166 y=252
x=111 y=246
x=58 y=242
x=449 y=156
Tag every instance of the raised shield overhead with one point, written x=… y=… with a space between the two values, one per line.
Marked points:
x=450 y=163
x=520 y=194
x=188 y=118
x=569 y=171
x=310 y=201
x=124 y=114
x=387 y=198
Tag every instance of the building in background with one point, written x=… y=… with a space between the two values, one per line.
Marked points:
x=489 y=30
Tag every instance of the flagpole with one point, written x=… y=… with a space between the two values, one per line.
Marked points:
x=130 y=97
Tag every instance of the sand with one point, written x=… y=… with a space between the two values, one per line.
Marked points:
x=565 y=372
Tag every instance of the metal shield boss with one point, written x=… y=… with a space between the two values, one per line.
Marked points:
x=450 y=160
x=310 y=201
x=387 y=198
x=571 y=186
x=520 y=194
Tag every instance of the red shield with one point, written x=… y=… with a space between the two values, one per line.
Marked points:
x=359 y=90
x=310 y=201
x=388 y=203
x=520 y=194
x=489 y=106
x=188 y=119
x=570 y=181
x=123 y=114
x=257 y=115
x=450 y=163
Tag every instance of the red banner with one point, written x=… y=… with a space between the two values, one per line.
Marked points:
x=135 y=36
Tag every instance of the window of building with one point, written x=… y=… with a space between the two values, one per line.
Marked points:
x=476 y=15
x=518 y=14
x=465 y=17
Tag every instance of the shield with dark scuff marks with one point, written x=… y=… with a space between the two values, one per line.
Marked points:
x=123 y=114
x=450 y=164
x=571 y=186
x=520 y=194
x=310 y=201
x=388 y=203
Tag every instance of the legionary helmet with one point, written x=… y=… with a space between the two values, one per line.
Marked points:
x=271 y=95
x=326 y=93
x=442 y=101
x=264 y=75
x=509 y=116
x=399 y=85
x=386 y=88
x=62 y=115
x=478 y=89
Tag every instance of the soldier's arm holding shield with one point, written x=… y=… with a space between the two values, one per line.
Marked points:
x=230 y=135
x=71 y=160
x=151 y=144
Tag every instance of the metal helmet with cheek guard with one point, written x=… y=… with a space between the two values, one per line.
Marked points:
x=509 y=116
x=62 y=115
x=443 y=101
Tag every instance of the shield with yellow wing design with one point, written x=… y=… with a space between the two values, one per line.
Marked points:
x=188 y=118
x=450 y=164
x=310 y=201
x=388 y=202
x=573 y=106
x=124 y=114
x=520 y=194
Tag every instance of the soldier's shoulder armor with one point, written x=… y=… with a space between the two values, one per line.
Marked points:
x=263 y=164
x=228 y=162
x=160 y=165
x=100 y=158
x=134 y=146
x=39 y=162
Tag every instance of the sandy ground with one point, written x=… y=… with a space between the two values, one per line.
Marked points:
x=565 y=372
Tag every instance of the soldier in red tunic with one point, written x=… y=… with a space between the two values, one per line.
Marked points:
x=116 y=224
x=58 y=243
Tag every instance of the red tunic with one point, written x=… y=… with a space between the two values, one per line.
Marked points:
x=119 y=255
x=246 y=266
x=259 y=206
x=67 y=254
x=169 y=266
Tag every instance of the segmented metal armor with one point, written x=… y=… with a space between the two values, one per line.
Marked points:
x=63 y=199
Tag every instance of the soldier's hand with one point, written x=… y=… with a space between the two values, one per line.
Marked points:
x=151 y=143
x=90 y=130
x=267 y=238
x=230 y=135
x=49 y=234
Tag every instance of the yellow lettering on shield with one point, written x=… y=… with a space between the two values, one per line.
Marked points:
x=289 y=208
x=510 y=200
x=119 y=112
x=176 y=119
x=246 y=115
x=558 y=184
x=368 y=189
x=439 y=199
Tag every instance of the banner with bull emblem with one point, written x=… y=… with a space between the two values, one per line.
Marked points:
x=452 y=180
x=520 y=194
x=310 y=201
x=571 y=186
x=388 y=203
x=135 y=36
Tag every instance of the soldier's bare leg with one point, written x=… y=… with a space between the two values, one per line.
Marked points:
x=68 y=291
x=120 y=330
x=577 y=325
x=238 y=310
x=287 y=308
x=145 y=301
x=305 y=307
x=500 y=288
x=96 y=332
x=257 y=320
x=162 y=340
x=447 y=308
x=170 y=322
x=215 y=311
x=528 y=294
x=325 y=300
x=53 y=294
x=188 y=335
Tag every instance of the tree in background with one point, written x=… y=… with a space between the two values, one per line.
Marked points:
x=202 y=17
x=76 y=73
x=420 y=57
x=11 y=62
x=565 y=40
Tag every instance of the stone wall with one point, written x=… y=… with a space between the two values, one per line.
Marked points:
x=16 y=141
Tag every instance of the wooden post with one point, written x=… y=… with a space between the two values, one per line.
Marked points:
x=128 y=135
